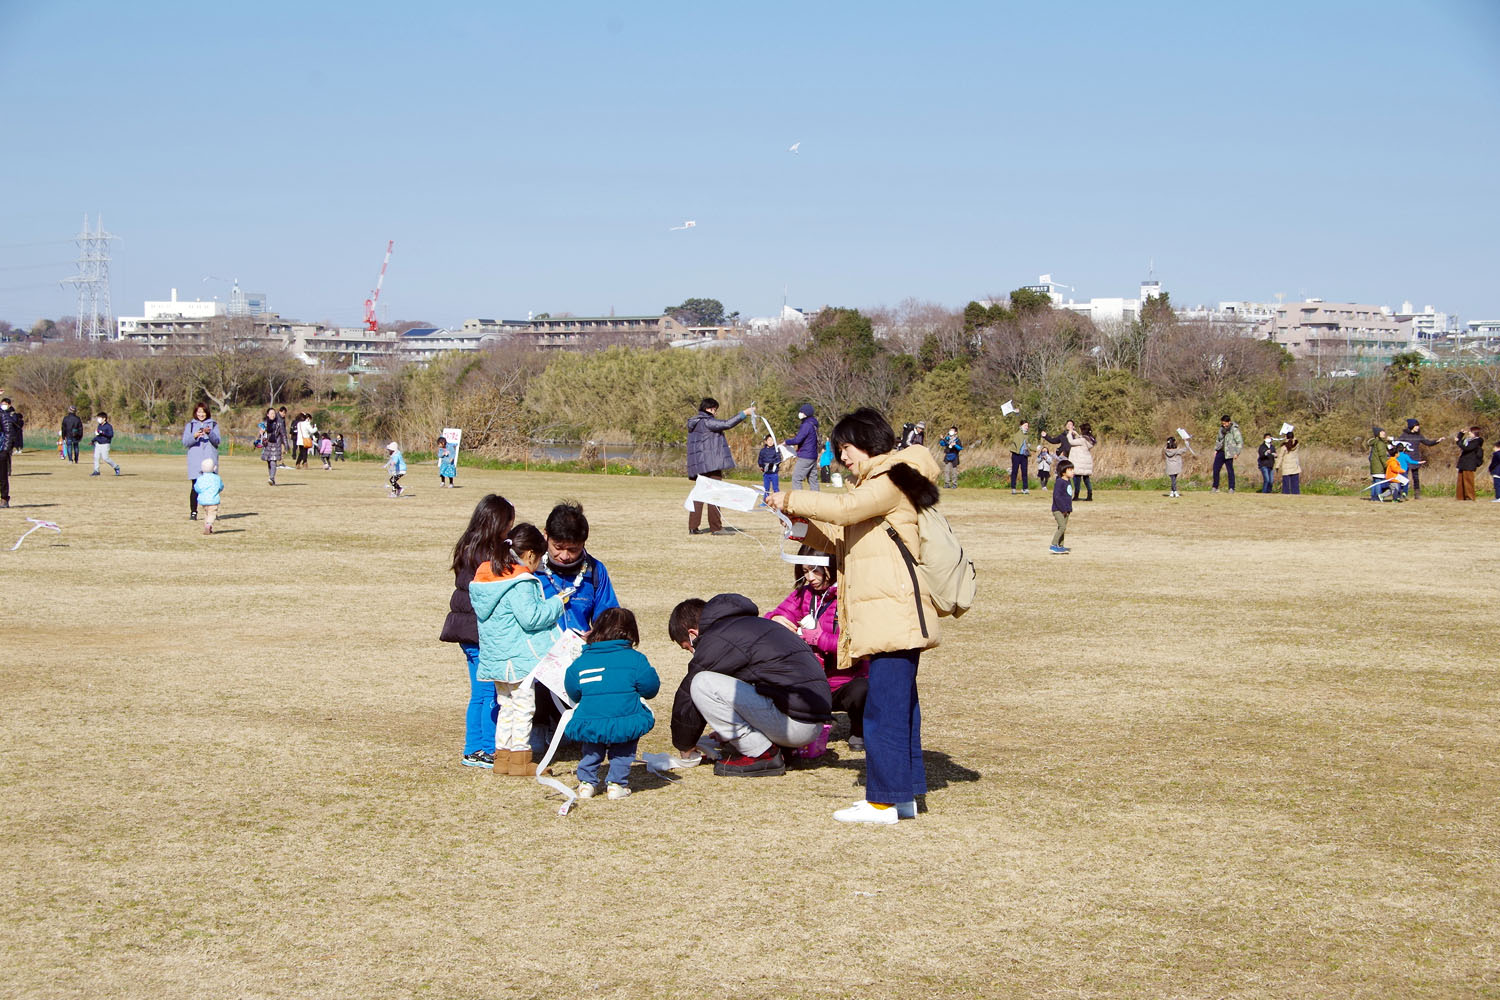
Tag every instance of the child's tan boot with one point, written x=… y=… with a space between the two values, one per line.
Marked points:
x=520 y=763
x=502 y=762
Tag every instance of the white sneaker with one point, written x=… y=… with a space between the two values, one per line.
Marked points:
x=617 y=792
x=586 y=791
x=863 y=812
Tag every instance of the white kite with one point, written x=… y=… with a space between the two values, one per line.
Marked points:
x=1287 y=429
x=38 y=526
x=795 y=147
x=722 y=494
x=1184 y=434
x=689 y=224
x=1007 y=408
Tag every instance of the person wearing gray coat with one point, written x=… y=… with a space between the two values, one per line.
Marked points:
x=708 y=455
x=201 y=439
x=1173 y=454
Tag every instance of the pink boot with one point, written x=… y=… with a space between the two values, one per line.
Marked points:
x=815 y=749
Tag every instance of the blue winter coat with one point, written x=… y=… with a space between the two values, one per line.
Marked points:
x=707 y=451
x=446 y=467
x=805 y=441
x=208 y=486
x=595 y=591
x=199 y=449
x=607 y=682
x=517 y=623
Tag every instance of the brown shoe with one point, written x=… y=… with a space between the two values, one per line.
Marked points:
x=502 y=762
x=519 y=764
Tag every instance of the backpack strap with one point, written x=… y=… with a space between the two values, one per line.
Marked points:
x=911 y=568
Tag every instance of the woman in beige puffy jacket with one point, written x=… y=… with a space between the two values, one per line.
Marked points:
x=1081 y=453
x=1289 y=464
x=884 y=612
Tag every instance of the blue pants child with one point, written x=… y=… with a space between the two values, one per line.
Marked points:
x=621 y=756
x=479 y=721
x=771 y=481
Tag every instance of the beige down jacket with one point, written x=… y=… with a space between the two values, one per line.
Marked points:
x=1289 y=461
x=877 y=610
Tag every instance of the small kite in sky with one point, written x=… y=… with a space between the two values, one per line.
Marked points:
x=795 y=147
x=689 y=224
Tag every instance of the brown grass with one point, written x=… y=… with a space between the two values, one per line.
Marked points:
x=1231 y=746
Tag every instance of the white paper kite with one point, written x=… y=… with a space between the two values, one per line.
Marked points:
x=37 y=526
x=689 y=224
x=1287 y=429
x=1007 y=408
x=1184 y=434
x=722 y=494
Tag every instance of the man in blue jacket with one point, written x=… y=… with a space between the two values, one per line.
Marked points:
x=755 y=683
x=805 y=443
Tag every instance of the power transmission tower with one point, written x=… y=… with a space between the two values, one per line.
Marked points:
x=96 y=319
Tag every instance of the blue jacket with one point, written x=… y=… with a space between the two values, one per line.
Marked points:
x=1062 y=495
x=445 y=462
x=396 y=463
x=595 y=591
x=707 y=451
x=607 y=682
x=209 y=486
x=104 y=433
x=806 y=439
x=517 y=623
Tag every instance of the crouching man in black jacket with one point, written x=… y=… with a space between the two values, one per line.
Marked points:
x=754 y=683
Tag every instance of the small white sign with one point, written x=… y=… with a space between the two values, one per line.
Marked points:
x=453 y=435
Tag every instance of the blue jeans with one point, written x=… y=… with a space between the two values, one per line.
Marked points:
x=479 y=724
x=621 y=756
x=893 y=729
x=1265 y=478
x=771 y=481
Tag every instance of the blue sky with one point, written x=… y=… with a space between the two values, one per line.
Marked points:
x=533 y=156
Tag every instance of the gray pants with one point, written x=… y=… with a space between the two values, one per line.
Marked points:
x=745 y=717
x=101 y=454
x=950 y=473
x=806 y=472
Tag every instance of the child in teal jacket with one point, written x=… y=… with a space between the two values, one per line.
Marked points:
x=517 y=626
x=608 y=682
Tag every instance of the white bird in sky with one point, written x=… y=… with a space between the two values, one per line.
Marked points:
x=689 y=224
x=795 y=145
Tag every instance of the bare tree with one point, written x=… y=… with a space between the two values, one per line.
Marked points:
x=43 y=383
x=1194 y=358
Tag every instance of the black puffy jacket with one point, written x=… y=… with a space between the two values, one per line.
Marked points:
x=734 y=639
x=11 y=423
x=461 y=625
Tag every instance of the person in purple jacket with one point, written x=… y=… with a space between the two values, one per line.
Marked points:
x=201 y=438
x=805 y=443
x=811 y=611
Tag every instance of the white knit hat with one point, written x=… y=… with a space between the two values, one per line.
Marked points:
x=393 y=446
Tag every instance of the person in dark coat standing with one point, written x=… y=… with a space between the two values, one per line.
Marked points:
x=8 y=428
x=272 y=443
x=1470 y=458
x=708 y=455
x=758 y=685
x=805 y=444
x=201 y=438
x=491 y=521
x=1413 y=441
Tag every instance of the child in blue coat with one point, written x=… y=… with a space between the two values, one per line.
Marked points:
x=446 y=469
x=517 y=626
x=608 y=682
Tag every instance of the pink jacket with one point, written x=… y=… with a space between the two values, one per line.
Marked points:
x=824 y=635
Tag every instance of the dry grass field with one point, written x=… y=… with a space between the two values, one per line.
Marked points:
x=1232 y=746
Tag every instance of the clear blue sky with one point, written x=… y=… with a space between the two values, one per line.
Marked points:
x=533 y=156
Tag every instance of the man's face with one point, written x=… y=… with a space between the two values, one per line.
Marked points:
x=690 y=641
x=1224 y=424
x=565 y=553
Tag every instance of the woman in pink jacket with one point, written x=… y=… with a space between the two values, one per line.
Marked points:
x=811 y=610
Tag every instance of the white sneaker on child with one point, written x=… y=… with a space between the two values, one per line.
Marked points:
x=617 y=792
x=586 y=791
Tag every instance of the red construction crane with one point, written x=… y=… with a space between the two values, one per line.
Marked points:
x=370 y=303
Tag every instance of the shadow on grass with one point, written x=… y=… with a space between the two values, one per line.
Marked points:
x=248 y=513
x=18 y=475
x=942 y=770
x=30 y=506
x=230 y=531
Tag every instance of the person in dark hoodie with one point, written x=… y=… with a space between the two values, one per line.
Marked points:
x=759 y=686
x=1413 y=441
x=1470 y=458
x=805 y=444
x=8 y=427
x=708 y=455
x=72 y=433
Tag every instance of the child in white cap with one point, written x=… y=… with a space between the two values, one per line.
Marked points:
x=208 y=486
x=396 y=466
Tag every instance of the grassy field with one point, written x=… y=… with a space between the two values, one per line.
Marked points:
x=1231 y=746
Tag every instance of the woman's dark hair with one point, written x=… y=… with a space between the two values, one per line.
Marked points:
x=868 y=431
x=683 y=617
x=708 y=403
x=492 y=518
x=615 y=623
x=798 y=572
x=566 y=523
x=201 y=405
x=1087 y=430
x=271 y=410
x=1291 y=442
x=524 y=537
